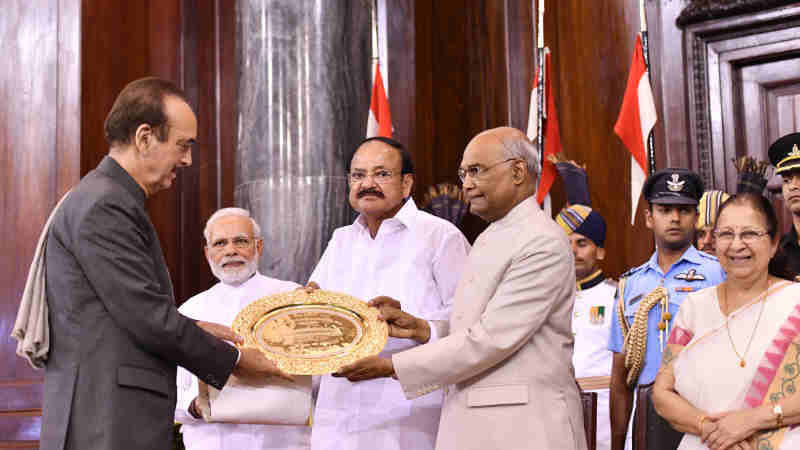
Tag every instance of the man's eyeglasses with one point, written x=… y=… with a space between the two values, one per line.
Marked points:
x=726 y=237
x=240 y=242
x=476 y=171
x=381 y=176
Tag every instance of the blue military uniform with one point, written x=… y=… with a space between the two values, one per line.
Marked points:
x=695 y=270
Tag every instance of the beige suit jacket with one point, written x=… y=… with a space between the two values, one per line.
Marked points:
x=506 y=360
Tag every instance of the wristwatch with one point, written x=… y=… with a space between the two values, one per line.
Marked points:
x=778 y=412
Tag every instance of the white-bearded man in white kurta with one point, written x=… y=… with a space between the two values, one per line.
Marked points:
x=233 y=247
x=394 y=250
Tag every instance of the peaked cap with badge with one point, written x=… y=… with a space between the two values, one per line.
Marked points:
x=784 y=153
x=673 y=186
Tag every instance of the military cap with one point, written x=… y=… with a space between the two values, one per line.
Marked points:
x=784 y=153
x=673 y=186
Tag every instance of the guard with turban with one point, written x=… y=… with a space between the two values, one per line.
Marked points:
x=594 y=298
x=707 y=209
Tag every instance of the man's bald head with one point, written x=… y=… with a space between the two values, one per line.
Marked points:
x=500 y=168
x=516 y=145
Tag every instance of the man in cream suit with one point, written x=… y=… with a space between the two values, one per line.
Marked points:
x=505 y=363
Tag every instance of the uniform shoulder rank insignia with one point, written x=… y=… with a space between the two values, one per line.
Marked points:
x=631 y=271
x=690 y=275
x=597 y=315
x=675 y=184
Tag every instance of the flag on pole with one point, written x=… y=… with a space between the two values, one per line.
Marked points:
x=552 y=135
x=379 y=122
x=636 y=120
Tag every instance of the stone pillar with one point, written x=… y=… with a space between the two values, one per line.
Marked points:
x=304 y=87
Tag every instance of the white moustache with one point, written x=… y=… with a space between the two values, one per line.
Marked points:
x=232 y=259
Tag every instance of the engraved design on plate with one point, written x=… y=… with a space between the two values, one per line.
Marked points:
x=309 y=331
x=312 y=333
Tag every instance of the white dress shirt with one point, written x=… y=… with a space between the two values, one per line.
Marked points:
x=415 y=258
x=220 y=304
x=591 y=321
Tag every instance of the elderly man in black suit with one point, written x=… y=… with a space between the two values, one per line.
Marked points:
x=116 y=336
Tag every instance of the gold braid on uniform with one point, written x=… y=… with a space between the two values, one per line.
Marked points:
x=623 y=324
x=636 y=339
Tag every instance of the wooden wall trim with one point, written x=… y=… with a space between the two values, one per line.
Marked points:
x=713 y=51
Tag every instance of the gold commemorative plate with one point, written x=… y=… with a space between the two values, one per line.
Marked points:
x=312 y=333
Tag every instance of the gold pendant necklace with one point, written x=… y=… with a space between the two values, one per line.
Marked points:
x=724 y=293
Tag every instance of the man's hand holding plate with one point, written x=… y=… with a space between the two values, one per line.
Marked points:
x=401 y=324
x=220 y=331
x=309 y=288
x=253 y=364
x=368 y=368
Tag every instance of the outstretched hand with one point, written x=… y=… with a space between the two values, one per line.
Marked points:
x=253 y=364
x=368 y=368
x=220 y=331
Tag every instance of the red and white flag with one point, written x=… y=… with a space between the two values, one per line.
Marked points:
x=552 y=135
x=379 y=122
x=636 y=119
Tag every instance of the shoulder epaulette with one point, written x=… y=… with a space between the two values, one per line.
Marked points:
x=632 y=271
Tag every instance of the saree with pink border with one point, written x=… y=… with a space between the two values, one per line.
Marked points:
x=750 y=358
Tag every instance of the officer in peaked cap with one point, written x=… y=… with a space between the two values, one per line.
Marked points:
x=655 y=291
x=784 y=154
x=673 y=187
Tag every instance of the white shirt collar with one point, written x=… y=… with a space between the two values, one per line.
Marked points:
x=404 y=217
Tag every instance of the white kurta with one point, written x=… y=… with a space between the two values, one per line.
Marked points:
x=220 y=304
x=415 y=258
x=591 y=356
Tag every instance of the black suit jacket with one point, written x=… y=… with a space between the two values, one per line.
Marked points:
x=116 y=336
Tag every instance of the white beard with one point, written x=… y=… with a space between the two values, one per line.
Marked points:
x=235 y=275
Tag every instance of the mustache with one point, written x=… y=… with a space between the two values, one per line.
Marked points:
x=230 y=259
x=369 y=191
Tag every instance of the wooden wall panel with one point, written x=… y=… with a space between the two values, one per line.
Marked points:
x=39 y=153
x=459 y=67
x=70 y=59
x=192 y=43
x=590 y=75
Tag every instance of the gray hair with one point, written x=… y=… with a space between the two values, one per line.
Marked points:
x=225 y=212
x=520 y=147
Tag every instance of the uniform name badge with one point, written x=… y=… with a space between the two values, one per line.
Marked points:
x=597 y=315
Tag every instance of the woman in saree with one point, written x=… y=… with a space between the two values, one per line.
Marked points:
x=731 y=369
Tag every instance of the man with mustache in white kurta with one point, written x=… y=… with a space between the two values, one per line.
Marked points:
x=392 y=249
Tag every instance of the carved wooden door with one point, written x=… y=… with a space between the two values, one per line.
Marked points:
x=743 y=76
